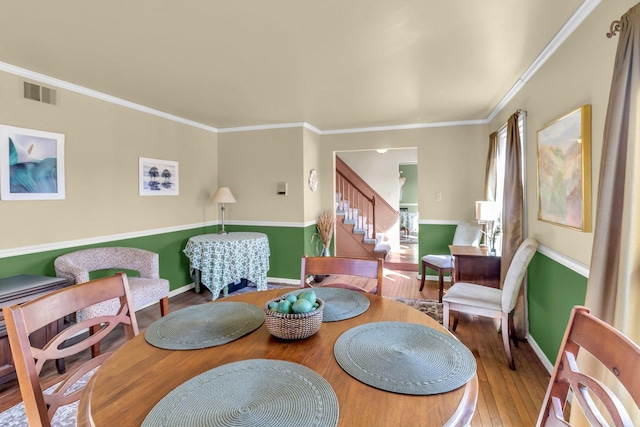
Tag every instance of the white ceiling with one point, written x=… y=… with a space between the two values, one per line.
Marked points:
x=335 y=64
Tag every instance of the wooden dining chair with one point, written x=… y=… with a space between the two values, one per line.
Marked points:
x=615 y=352
x=323 y=265
x=23 y=320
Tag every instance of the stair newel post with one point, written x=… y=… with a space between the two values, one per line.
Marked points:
x=373 y=216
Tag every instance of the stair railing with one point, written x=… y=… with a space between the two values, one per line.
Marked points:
x=358 y=200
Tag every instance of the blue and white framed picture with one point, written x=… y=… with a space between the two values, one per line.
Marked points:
x=31 y=164
x=158 y=177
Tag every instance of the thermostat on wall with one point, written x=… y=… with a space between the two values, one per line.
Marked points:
x=282 y=188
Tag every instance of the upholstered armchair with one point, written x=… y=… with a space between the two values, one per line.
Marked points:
x=145 y=290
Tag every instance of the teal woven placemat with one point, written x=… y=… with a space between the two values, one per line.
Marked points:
x=204 y=325
x=339 y=304
x=255 y=392
x=404 y=358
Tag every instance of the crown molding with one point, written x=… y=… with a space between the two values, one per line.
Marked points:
x=567 y=29
x=32 y=75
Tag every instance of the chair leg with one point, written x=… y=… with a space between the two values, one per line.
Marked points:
x=445 y=315
x=456 y=316
x=164 y=306
x=95 y=349
x=424 y=273
x=441 y=284
x=512 y=332
x=506 y=340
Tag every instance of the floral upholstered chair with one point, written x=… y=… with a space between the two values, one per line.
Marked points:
x=145 y=290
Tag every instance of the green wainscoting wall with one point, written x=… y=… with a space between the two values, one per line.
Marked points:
x=287 y=245
x=553 y=290
x=434 y=239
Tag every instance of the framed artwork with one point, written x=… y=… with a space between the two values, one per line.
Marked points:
x=564 y=170
x=31 y=164
x=158 y=177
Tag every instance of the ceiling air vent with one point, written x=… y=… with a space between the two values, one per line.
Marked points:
x=40 y=93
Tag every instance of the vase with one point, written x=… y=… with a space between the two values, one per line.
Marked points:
x=320 y=277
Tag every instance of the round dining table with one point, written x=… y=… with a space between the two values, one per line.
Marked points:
x=138 y=375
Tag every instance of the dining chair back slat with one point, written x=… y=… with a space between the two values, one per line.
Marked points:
x=614 y=351
x=322 y=265
x=23 y=320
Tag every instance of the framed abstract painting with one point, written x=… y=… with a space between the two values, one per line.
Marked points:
x=31 y=164
x=564 y=170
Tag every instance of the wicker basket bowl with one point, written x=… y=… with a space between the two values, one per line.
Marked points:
x=293 y=326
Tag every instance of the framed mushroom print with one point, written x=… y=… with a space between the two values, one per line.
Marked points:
x=564 y=170
x=158 y=177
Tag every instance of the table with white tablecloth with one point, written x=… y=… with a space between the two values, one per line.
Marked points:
x=222 y=259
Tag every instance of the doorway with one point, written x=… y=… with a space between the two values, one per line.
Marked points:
x=382 y=170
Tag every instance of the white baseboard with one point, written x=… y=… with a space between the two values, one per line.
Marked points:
x=538 y=351
x=285 y=281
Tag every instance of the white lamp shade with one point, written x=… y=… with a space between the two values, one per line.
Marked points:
x=223 y=195
x=487 y=211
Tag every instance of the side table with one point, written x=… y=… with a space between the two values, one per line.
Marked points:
x=475 y=265
x=16 y=290
x=221 y=259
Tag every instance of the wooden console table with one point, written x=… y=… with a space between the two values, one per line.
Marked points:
x=17 y=290
x=475 y=265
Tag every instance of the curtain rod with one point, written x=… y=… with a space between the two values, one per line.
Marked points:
x=613 y=29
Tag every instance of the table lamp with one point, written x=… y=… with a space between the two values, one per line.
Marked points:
x=223 y=195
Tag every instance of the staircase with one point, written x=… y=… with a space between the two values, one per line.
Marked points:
x=359 y=231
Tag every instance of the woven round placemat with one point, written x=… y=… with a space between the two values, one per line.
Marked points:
x=204 y=325
x=339 y=304
x=255 y=392
x=404 y=358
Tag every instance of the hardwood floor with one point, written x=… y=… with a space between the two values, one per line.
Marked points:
x=506 y=398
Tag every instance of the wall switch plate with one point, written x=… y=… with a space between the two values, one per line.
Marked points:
x=281 y=188
x=438 y=196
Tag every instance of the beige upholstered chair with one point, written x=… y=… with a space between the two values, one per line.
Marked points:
x=614 y=351
x=468 y=233
x=24 y=319
x=491 y=302
x=145 y=290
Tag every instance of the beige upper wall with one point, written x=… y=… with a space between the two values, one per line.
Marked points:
x=451 y=160
x=252 y=163
x=311 y=160
x=578 y=73
x=103 y=142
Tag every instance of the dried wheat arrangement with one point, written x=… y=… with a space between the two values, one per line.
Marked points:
x=325 y=222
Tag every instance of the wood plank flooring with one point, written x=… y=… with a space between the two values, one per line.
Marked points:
x=507 y=398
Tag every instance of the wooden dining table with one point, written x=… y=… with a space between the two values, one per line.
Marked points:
x=138 y=375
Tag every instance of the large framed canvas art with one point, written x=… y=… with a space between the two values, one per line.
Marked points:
x=564 y=170
x=31 y=164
